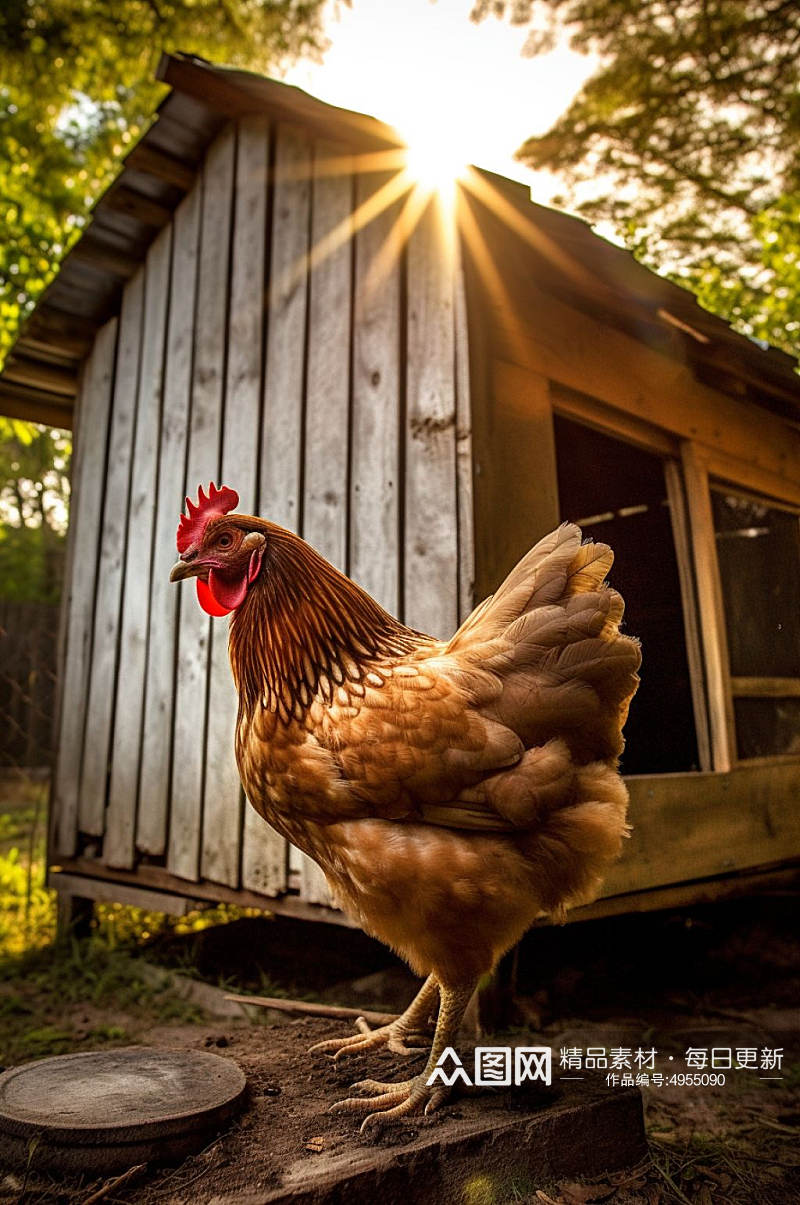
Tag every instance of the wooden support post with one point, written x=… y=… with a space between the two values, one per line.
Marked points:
x=74 y=915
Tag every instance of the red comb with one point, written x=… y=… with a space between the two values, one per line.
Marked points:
x=193 y=523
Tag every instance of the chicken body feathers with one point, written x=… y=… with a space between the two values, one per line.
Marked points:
x=500 y=745
x=485 y=731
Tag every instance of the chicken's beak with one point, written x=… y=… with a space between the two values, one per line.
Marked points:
x=182 y=569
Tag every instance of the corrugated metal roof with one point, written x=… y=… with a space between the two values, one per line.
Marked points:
x=40 y=378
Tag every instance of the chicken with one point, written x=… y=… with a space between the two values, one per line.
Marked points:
x=451 y=791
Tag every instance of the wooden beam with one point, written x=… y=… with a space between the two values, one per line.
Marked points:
x=123 y=893
x=766 y=688
x=582 y=408
x=126 y=200
x=158 y=878
x=238 y=93
x=684 y=895
x=33 y=406
x=755 y=447
x=515 y=459
x=711 y=607
x=691 y=620
x=146 y=158
x=45 y=377
x=698 y=826
x=98 y=255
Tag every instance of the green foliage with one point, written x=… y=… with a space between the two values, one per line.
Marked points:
x=687 y=140
x=34 y=501
x=77 y=91
x=51 y=993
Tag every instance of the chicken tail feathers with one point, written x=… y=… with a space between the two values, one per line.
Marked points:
x=549 y=641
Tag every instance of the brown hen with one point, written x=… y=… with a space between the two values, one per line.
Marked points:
x=451 y=791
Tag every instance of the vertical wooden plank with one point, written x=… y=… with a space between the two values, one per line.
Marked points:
x=281 y=450
x=282 y=434
x=516 y=483
x=430 y=584
x=88 y=476
x=375 y=451
x=328 y=378
x=327 y=419
x=186 y=824
x=222 y=805
x=151 y=824
x=710 y=607
x=683 y=551
x=119 y=840
x=263 y=854
x=94 y=776
x=466 y=521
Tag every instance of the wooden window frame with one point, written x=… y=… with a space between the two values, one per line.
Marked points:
x=636 y=432
x=753 y=687
x=692 y=470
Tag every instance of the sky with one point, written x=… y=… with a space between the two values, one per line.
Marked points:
x=453 y=88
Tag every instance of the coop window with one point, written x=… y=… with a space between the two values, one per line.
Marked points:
x=619 y=494
x=758 y=551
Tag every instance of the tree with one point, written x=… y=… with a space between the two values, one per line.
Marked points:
x=34 y=498
x=686 y=139
x=77 y=91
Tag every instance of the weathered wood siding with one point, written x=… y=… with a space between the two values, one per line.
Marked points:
x=280 y=338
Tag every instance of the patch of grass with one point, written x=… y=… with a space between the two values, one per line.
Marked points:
x=78 y=995
x=61 y=996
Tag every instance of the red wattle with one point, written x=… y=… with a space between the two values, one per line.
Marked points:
x=208 y=602
x=227 y=593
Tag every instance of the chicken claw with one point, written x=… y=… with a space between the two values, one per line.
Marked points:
x=394 y=1037
x=388 y=1103
x=404 y=1036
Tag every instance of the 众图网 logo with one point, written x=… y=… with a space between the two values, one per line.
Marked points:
x=495 y=1067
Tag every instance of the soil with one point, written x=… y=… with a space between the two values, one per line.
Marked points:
x=723 y=977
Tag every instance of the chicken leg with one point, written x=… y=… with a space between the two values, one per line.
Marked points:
x=410 y=1027
x=391 y=1102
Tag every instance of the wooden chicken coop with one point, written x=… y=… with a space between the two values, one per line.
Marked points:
x=264 y=298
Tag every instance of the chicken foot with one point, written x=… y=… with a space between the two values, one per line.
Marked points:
x=405 y=1035
x=386 y=1103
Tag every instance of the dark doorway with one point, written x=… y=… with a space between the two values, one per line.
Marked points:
x=617 y=493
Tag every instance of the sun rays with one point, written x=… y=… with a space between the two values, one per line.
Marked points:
x=412 y=183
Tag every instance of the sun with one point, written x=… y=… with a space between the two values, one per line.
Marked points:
x=435 y=165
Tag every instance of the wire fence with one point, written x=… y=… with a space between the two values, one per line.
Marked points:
x=28 y=658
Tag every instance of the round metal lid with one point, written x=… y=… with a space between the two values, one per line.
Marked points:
x=132 y=1094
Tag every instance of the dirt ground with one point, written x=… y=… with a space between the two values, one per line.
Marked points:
x=725 y=978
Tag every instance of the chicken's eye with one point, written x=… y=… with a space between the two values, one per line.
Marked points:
x=225 y=540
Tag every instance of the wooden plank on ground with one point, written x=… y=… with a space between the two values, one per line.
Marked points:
x=222 y=806
x=693 y=826
x=126 y=747
x=151 y=824
x=189 y=754
x=375 y=470
x=88 y=476
x=102 y=686
x=282 y=446
x=430 y=585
